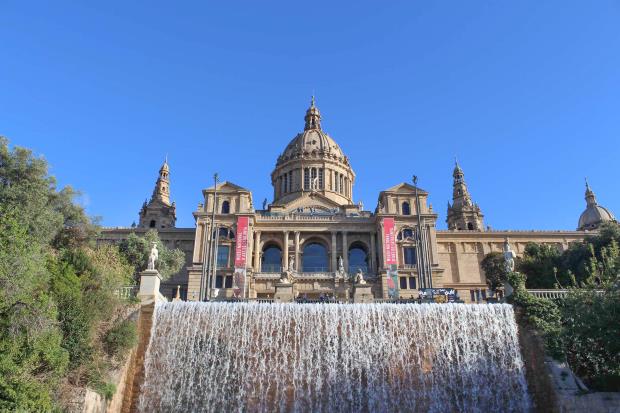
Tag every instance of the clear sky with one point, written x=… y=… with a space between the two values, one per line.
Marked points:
x=525 y=93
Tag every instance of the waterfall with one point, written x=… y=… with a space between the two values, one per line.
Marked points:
x=254 y=357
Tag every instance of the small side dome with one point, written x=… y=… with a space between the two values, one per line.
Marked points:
x=595 y=214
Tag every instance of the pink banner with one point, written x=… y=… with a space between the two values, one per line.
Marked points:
x=241 y=250
x=389 y=241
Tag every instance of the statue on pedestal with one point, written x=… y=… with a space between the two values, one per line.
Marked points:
x=153 y=256
x=291 y=263
x=359 y=277
x=509 y=257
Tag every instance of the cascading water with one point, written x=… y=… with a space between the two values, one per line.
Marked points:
x=333 y=358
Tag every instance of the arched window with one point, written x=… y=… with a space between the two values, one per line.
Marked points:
x=405 y=233
x=358 y=258
x=315 y=258
x=152 y=223
x=406 y=208
x=470 y=226
x=225 y=207
x=271 y=260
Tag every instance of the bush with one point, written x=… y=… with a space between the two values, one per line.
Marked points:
x=121 y=338
x=592 y=337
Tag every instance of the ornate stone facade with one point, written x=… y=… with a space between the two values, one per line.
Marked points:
x=316 y=237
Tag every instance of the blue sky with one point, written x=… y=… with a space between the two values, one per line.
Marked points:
x=525 y=93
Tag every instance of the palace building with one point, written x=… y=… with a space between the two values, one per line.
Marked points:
x=314 y=236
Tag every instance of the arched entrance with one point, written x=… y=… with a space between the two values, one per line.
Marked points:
x=315 y=258
x=271 y=261
x=358 y=258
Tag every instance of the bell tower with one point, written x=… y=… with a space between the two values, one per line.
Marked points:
x=463 y=214
x=159 y=213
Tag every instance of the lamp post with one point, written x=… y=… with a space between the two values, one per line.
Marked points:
x=421 y=253
x=212 y=246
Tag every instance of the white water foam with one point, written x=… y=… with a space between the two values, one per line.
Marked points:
x=220 y=357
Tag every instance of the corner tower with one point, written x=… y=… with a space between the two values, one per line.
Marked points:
x=463 y=214
x=159 y=212
x=312 y=163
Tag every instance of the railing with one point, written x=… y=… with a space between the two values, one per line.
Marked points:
x=397 y=301
x=407 y=266
x=315 y=269
x=553 y=294
x=354 y=268
x=271 y=268
x=127 y=292
x=248 y=300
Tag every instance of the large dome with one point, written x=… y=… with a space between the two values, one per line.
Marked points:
x=313 y=163
x=595 y=214
x=312 y=142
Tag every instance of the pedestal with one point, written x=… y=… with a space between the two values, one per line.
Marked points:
x=284 y=293
x=149 y=287
x=362 y=293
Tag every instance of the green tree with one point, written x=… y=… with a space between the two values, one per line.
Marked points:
x=57 y=288
x=539 y=263
x=136 y=250
x=494 y=267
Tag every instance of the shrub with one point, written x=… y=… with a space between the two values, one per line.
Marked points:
x=121 y=338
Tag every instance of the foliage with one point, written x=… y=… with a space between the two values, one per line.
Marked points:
x=494 y=268
x=56 y=287
x=583 y=328
x=542 y=314
x=136 y=250
x=539 y=262
x=592 y=331
x=121 y=338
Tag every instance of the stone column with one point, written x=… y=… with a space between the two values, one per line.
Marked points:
x=285 y=254
x=373 y=254
x=297 y=251
x=334 y=253
x=345 y=251
x=256 y=251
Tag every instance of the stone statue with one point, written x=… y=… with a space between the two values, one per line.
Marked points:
x=291 y=263
x=340 y=265
x=314 y=186
x=359 y=277
x=509 y=257
x=360 y=205
x=264 y=204
x=287 y=277
x=153 y=256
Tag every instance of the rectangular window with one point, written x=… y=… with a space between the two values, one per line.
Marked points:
x=403 y=283
x=306 y=178
x=409 y=256
x=484 y=294
x=290 y=181
x=222 y=256
x=341 y=183
x=320 y=178
x=219 y=281
x=412 y=283
x=472 y=295
x=229 y=282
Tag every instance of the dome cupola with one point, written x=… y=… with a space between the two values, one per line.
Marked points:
x=595 y=214
x=313 y=162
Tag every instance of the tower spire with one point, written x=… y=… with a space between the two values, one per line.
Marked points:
x=590 y=197
x=313 y=116
x=161 y=192
x=463 y=214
